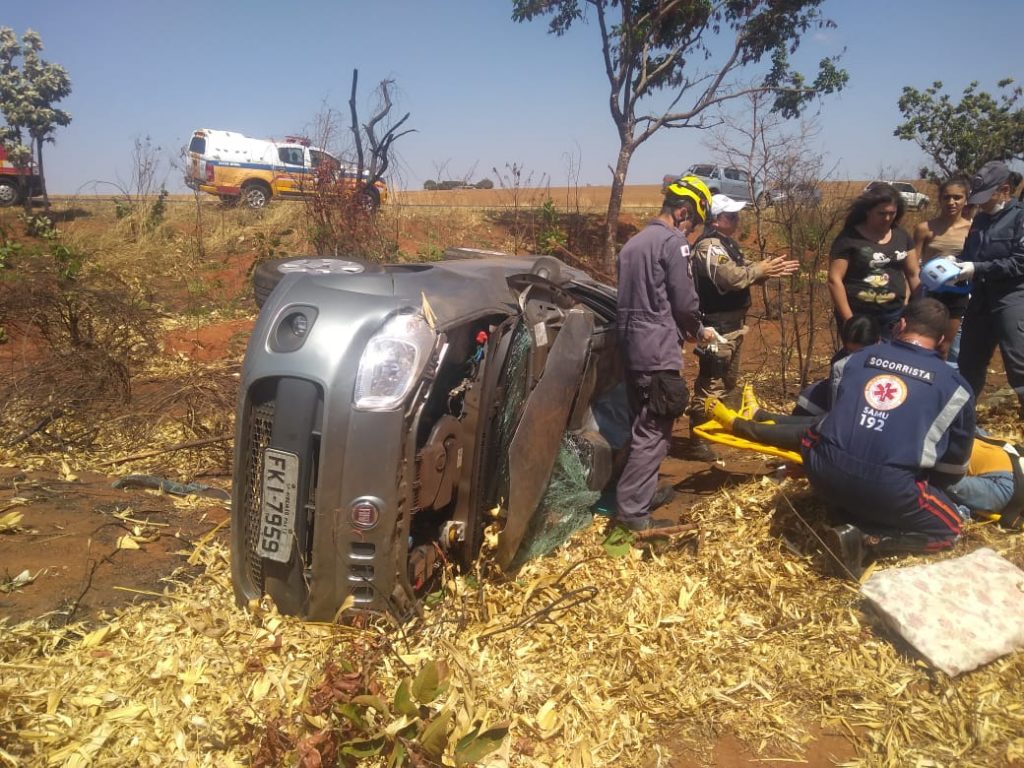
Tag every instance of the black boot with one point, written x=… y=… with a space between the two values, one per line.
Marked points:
x=697 y=449
x=904 y=543
x=845 y=547
x=664 y=495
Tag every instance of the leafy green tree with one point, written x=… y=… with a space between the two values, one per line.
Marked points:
x=961 y=137
x=669 y=61
x=12 y=85
x=28 y=95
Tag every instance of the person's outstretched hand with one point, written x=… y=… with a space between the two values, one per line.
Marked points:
x=779 y=266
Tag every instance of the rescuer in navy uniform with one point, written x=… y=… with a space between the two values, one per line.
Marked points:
x=657 y=308
x=901 y=428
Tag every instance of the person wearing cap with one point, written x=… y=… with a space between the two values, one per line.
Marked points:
x=724 y=276
x=993 y=259
x=657 y=308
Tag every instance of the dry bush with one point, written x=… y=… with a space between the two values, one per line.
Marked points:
x=341 y=217
x=83 y=338
x=423 y=232
x=180 y=403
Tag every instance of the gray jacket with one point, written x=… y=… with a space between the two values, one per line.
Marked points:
x=657 y=304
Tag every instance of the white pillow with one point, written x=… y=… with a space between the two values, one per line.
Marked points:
x=959 y=613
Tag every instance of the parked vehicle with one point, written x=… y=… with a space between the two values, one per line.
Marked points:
x=16 y=182
x=802 y=193
x=912 y=199
x=389 y=413
x=734 y=182
x=239 y=168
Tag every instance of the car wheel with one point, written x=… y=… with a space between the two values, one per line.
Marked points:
x=922 y=204
x=368 y=199
x=8 y=193
x=256 y=195
x=548 y=268
x=269 y=273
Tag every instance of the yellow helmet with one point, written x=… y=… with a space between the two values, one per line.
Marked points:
x=693 y=189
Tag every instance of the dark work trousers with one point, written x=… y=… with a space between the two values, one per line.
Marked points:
x=880 y=500
x=717 y=372
x=988 y=322
x=786 y=432
x=648 y=446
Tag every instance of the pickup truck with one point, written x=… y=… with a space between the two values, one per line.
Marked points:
x=724 y=179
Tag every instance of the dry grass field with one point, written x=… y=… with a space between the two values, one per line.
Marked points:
x=121 y=643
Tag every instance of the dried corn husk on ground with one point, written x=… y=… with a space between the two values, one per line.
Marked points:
x=594 y=660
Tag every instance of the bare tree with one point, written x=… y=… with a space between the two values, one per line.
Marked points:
x=776 y=156
x=343 y=200
x=807 y=221
x=693 y=50
x=379 y=132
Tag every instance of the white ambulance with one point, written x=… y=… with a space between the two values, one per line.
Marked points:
x=236 y=167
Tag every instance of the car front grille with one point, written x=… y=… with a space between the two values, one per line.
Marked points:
x=257 y=440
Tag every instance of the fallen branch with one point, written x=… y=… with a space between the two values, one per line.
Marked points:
x=170 y=449
x=41 y=424
x=661 y=533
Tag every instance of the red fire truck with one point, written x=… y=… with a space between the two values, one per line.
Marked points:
x=16 y=182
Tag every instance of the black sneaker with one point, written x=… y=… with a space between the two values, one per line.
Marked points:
x=645 y=523
x=845 y=544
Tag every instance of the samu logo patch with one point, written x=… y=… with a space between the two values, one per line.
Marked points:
x=883 y=393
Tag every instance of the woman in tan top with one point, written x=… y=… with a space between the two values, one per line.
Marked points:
x=944 y=236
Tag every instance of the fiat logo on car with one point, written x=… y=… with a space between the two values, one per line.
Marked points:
x=365 y=513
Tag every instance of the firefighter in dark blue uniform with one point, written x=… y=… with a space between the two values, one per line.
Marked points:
x=901 y=427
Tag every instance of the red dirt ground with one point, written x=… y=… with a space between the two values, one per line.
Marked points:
x=69 y=542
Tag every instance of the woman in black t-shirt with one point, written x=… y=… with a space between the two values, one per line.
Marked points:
x=873 y=265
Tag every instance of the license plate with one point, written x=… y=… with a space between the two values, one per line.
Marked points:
x=280 y=498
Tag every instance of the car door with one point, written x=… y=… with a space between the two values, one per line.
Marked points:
x=745 y=184
x=733 y=185
x=290 y=171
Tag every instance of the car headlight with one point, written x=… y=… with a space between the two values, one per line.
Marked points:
x=392 y=362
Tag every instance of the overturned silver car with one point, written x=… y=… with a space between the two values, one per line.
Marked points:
x=389 y=413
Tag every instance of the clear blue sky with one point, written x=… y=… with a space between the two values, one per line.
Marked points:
x=482 y=90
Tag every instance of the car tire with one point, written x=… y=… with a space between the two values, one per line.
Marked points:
x=548 y=268
x=267 y=274
x=255 y=195
x=922 y=204
x=368 y=199
x=8 y=193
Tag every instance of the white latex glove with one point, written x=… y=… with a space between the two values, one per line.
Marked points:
x=966 y=271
